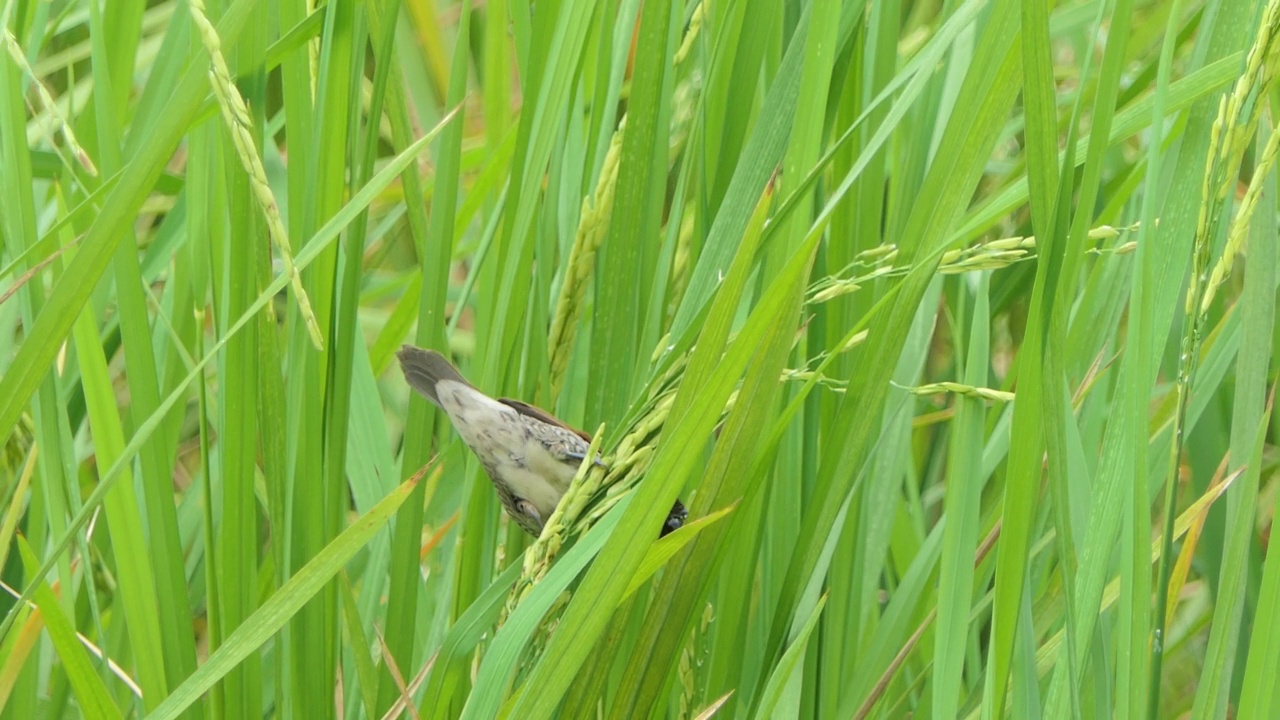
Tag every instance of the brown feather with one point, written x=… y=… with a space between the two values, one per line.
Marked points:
x=539 y=414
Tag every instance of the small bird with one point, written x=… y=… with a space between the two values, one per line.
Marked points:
x=530 y=456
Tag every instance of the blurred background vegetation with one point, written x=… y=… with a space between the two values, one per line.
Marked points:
x=951 y=321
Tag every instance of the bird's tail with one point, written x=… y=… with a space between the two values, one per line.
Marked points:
x=423 y=369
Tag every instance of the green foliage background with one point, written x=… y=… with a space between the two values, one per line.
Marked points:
x=951 y=321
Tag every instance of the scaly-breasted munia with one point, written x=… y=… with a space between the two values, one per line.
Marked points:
x=530 y=456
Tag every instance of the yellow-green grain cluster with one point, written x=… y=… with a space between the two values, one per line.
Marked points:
x=1229 y=138
x=539 y=556
x=593 y=225
x=878 y=262
x=593 y=492
x=1240 y=225
x=1232 y=132
x=597 y=209
x=955 y=388
x=692 y=658
x=681 y=263
x=49 y=104
x=236 y=115
x=695 y=25
x=19 y=443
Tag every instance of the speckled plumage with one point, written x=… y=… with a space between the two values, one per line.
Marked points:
x=529 y=455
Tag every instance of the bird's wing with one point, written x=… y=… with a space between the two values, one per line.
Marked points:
x=539 y=414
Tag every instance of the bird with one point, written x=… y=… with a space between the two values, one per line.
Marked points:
x=528 y=454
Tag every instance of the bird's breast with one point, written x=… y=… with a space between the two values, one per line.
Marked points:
x=510 y=453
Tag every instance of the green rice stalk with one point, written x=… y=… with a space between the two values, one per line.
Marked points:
x=313 y=53
x=213 y=611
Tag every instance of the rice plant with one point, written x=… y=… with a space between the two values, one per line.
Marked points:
x=949 y=322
